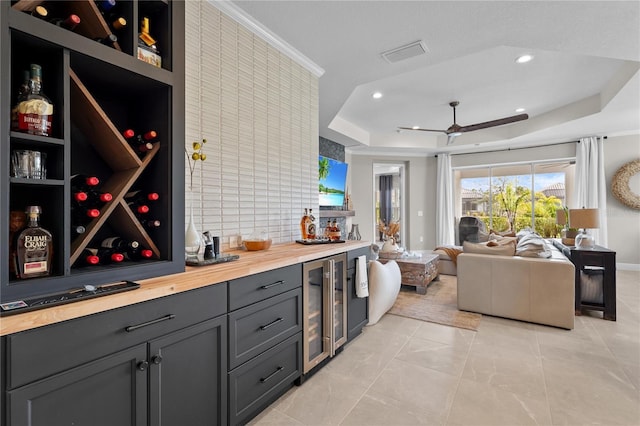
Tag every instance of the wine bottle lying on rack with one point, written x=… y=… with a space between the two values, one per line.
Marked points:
x=106 y=256
x=83 y=183
x=70 y=22
x=40 y=12
x=108 y=40
x=88 y=257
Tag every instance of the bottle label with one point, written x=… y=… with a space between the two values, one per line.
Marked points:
x=149 y=57
x=35 y=267
x=34 y=117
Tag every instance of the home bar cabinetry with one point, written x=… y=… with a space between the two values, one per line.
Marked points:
x=98 y=91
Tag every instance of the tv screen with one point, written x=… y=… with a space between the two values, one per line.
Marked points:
x=333 y=179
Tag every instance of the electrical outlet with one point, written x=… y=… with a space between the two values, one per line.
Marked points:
x=421 y=239
x=233 y=241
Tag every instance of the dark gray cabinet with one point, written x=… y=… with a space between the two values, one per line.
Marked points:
x=162 y=362
x=357 y=308
x=265 y=336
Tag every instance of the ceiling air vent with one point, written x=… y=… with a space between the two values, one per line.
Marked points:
x=405 y=52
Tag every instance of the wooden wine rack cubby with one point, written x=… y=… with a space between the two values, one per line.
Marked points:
x=97 y=92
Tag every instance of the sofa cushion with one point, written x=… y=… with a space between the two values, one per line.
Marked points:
x=533 y=245
x=505 y=249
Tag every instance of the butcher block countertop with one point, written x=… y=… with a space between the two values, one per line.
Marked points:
x=250 y=262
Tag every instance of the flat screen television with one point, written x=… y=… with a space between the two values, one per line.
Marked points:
x=332 y=183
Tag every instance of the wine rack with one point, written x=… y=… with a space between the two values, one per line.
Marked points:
x=98 y=91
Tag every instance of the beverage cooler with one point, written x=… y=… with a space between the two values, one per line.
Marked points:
x=324 y=309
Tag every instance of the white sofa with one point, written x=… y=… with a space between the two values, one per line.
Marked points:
x=539 y=290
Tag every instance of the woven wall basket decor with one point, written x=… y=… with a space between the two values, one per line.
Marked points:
x=620 y=184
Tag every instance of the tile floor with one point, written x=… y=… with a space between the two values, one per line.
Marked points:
x=408 y=372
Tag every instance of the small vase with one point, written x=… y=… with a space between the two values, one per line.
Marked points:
x=192 y=238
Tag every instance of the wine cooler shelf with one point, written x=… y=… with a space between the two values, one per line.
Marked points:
x=81 y=111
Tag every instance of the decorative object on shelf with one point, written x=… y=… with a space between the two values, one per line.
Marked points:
x=259 y=240
x=392 y=230
x=584 y=219
x=620 y=184
x=355 y=233
x=192 y=238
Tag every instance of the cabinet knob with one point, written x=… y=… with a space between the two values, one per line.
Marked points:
x=156 y=359
x=143 y=365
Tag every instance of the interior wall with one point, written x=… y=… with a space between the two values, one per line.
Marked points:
x=258 y=110
x=623 y=222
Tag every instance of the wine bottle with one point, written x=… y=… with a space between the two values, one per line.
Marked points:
x=108 y=255
x=150 y=224
x=118 y=24
x=40 y=12
x=83 y=183
x=105 y=6
x=97 y=199
x=134 y=138
x=70 y=22
x=81 y=215
x=141 y=196
x=119 y=244
x=77 y=230
x=108 y=40
x=147 y=48
x=88 y=257
x=34 y=109
x=138 y=254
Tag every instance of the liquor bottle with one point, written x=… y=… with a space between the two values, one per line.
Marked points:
x=17 y=222
x=23 y=91
x=303 y=224
x=88 y=257
x=311 y=226
x=40 y=12
x=34 y=109
x=147 y=49
x=70 y=22
x=33 y=247
x=83 y=183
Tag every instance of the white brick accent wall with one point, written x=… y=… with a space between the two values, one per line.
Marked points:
x=258 y=110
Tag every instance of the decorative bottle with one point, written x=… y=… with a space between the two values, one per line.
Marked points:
x=147 y=48
x=303 y=225
x=34 y=109
x=33 y=247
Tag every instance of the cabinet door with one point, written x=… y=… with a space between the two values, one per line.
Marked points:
x=188 y=376
x=357 y=308
x=109 y=391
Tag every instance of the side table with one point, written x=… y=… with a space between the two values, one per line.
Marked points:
x=417 y=271
x=598 y=259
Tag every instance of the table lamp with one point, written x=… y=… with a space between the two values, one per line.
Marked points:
x=584 y=219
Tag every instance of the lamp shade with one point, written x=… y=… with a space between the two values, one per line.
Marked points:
x=584 y=218
x=561 y=217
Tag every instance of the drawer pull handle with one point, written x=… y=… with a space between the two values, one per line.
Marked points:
x=264 y=379
x=271 y=324
x=266 y=286
x=144 y=324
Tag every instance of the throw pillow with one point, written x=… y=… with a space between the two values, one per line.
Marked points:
x=533 y=245
x=506 y=249
x=503 y=233
x=384 y=286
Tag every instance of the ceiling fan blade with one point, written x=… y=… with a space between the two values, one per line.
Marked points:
x=451 y=139
x=422 y=130
x=494 y=123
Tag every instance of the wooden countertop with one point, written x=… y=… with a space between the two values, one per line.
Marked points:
x=278 y=256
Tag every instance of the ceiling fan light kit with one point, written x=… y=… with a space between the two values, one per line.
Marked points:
x=456 y=130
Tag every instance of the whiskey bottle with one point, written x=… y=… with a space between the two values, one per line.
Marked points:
x=303 y=224
x=33 y=247
x=23 y=91
x=147 y=49
x=34 y=109
x=311 y=226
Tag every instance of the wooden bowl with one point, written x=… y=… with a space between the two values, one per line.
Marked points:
x=255 y=245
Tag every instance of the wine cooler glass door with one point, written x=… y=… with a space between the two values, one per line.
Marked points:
x=339 y=302
x=316 y=345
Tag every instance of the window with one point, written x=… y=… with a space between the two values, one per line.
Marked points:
x=515 y=196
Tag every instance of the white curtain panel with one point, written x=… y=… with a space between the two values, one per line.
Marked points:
x=590 y=184
x=445 y=220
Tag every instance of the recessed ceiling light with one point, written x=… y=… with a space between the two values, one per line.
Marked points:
x=520 y=110
x=524 y=59
x=377 y=95
x=415 y=127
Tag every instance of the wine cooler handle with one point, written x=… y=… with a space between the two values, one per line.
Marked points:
x=272 y=323
x=266 y=286
x=264 y=379
x=145 y=324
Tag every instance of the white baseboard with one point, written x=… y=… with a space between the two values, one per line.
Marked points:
x=628 y=266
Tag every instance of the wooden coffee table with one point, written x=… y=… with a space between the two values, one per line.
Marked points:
x=417 y=271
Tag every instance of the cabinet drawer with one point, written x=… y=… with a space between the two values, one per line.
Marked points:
x=254 y=288
x=38 y=353
x=263 y=379
x=262 y=325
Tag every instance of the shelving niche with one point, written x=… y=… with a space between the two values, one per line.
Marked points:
x=97 y=92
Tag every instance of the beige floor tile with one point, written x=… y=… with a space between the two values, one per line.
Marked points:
x=324 y=399
x=381 y=410
x=447 y=358
x=273 y=417
x=418 y=388
x=444 y=333
x=482 y=404
x=395 y=324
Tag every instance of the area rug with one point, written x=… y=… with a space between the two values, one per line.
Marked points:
x=439 y=305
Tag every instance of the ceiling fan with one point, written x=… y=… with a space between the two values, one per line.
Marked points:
x=456 y=130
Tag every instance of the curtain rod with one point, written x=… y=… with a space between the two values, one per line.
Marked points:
x=515 y=149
